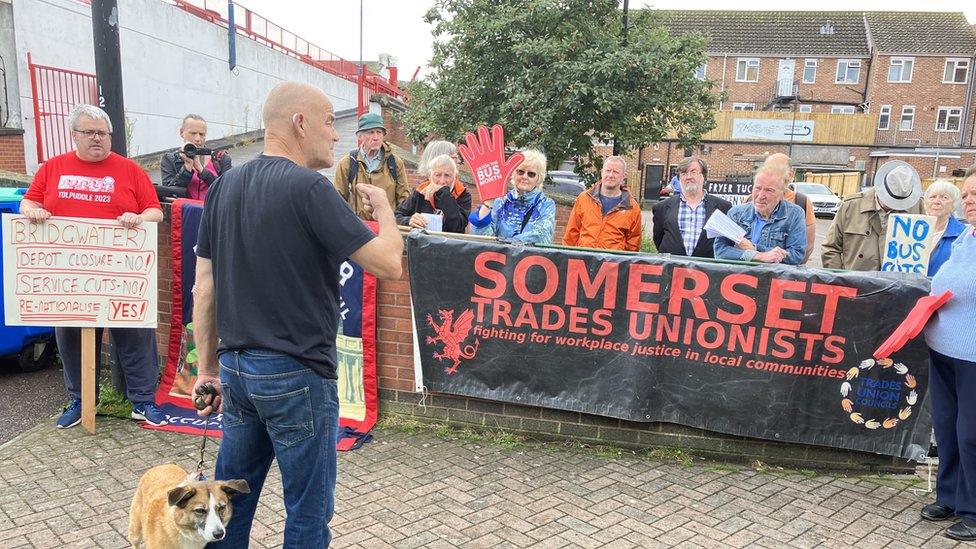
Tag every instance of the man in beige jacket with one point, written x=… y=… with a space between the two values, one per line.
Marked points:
x=855 y=239
x=373 y=163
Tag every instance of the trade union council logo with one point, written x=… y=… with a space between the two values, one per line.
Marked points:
x=880 y=401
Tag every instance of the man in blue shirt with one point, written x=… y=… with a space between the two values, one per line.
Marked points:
x=775 y=231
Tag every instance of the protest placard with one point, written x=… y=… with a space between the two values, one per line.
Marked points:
x=909 y=243
x=76 y=272
x=485 y=155
x=88 y=273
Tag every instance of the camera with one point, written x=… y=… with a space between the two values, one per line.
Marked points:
x=192 y=150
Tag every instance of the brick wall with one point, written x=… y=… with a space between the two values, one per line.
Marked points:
x=761 y=92
x=394 y=129
x=926 y=92
x=12 y=150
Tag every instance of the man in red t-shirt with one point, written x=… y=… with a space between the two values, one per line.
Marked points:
x=96 y=183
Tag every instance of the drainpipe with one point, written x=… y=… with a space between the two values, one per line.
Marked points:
x=867 y=72
x=725 y=60
x=969 y=104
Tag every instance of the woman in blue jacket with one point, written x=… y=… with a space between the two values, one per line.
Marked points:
x=941 y=200
x=525 y=214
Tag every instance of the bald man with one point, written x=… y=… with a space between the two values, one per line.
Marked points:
x=266 y=306
x=782 y=162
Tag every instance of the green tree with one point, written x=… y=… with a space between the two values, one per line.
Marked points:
x=555 y=74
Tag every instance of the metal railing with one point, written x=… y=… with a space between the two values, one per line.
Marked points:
x=260 y=29
x=55 y=93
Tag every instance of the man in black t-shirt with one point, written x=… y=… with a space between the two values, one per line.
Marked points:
x=272 y=238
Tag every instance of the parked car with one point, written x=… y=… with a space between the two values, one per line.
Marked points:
x=825 y=202
x=564 y=182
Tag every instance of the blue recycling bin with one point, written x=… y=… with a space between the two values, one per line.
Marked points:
x=32 y=346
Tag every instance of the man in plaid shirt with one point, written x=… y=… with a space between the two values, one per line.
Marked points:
x=679 y=221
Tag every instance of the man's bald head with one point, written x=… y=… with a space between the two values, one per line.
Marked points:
x=299 y=123
x=289 y=98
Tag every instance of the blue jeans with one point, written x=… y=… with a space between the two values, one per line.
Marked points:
x=275 y=407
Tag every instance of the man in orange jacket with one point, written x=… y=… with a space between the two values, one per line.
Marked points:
x=606 y=216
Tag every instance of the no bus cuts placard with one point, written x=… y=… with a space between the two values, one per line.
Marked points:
x=88 y=273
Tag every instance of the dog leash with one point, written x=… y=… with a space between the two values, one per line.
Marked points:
x=203 y=390
x=203 y=446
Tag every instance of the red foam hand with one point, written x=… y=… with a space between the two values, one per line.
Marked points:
x=485 y=154
x=912 y=325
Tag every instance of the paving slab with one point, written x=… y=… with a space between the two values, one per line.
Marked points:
x=65 y=488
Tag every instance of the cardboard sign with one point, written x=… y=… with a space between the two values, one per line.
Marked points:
x=485 y=154
x=909 y=243
x=79 y=272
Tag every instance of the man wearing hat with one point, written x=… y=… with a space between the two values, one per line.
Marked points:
x=373 y=163
x=855 y=239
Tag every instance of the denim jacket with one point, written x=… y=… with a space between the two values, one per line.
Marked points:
x=786 y=229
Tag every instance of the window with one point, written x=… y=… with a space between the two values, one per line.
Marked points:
x=907 y=121
x=956 y=71
x=842 y=109
x=848 y=71
x=747 y=70
x=743 y=106
x=948 y=119
x=884 y=117
x=700 y=71
x=806 y=108
x=900 y=69
x=810 y=71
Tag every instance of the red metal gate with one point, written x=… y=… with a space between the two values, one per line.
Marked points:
x=55 y=93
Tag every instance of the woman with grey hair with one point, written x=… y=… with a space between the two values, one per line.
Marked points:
x=441 y=194
x=525 y=214
x=435 y=149
x=941 y=200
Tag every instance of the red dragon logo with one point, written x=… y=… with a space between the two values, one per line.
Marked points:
x=452 y=334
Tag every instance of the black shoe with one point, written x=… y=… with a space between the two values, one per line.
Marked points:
x=964 y=530
x=936 y=511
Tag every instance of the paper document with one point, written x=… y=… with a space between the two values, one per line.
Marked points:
x=435 y=222
x=720 y=224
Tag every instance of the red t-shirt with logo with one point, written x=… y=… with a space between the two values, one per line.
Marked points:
x=68 y=186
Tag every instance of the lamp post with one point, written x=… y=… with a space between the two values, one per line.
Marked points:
x=623 y=33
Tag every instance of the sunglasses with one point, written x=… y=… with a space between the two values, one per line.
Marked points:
x=520 y=172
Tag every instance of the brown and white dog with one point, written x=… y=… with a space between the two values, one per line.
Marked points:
x=170 y=510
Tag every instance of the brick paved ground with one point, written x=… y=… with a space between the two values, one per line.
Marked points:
x=68 y=489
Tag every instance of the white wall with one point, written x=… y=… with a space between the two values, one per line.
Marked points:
x=8 y=55
x=173 y=63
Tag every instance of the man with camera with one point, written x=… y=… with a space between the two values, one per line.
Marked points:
x=193 y=166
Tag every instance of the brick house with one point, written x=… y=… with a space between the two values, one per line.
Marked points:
x=873 y=86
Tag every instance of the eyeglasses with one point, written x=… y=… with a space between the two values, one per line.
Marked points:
x=520 y=172
x=93 y=133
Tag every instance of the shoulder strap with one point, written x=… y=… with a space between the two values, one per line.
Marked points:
x=528 y=213
x=801 y=201
x=353 y=168
x=391 y=165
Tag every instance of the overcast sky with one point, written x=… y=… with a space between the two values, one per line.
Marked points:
x=396 y=27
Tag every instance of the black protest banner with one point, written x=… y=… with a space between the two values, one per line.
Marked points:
x=772 y=352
